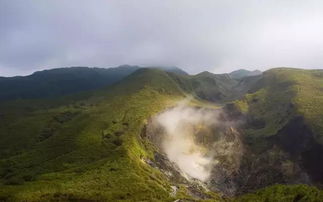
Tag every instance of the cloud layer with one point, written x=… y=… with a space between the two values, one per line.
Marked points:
x=217 y=36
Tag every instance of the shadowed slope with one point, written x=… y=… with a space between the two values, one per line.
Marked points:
x=283 y=129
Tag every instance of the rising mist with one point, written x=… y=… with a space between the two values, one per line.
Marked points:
x=197 y=139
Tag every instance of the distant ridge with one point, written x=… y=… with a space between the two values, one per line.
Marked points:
x=67 y=80
x=241 y=73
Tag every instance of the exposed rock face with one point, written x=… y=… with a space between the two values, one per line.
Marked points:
x=298 y=141
x=235 y=166
x=228 y=153
x=214 y=143
x=267 y=168
x=291 y=156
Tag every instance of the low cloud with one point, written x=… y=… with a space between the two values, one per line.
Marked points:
x=217 y=36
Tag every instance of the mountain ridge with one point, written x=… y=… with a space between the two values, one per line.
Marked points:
x=94 y=146
x=65 y=81
x=241 y=73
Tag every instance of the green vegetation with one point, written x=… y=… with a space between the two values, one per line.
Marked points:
x=270 y=107
x=86 y=150
x=66 y=81
x=61 y=81
x=286 y=193
x=88 y=146
x=283 y=94
x=283 y=130
x=309 y=98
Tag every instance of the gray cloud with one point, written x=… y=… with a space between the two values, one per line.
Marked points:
x=213 y=35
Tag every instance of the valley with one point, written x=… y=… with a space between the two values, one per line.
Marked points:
x=160 y=134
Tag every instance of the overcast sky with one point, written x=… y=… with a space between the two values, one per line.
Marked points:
x=195 y=35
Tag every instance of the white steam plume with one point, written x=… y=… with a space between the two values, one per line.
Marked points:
x=202 y=142
x=180 y=125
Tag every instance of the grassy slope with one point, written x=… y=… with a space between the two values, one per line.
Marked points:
x=284 y=193
x=89 y=146
x=309 y=99
x=218 y=88
x=283 y=94
x=60 y=82
x=207 y=86
x=94 y=150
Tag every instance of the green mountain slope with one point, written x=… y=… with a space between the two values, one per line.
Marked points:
x=286 y=193
x=90 y=149
x=283 y=130
x=65 y=81
x=61 y=81
x=218 y=88
x=92 y=145
x=283 y=94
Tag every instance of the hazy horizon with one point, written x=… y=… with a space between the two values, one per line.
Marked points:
x=155 y=66
x=28 y=74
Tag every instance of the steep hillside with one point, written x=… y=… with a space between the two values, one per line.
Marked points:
x=283 y=129
x=98 y=145
x=86 y=150
x=219 y=88
x=284 y=193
